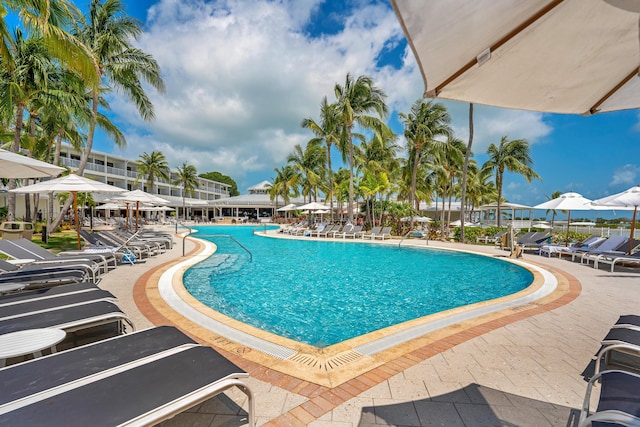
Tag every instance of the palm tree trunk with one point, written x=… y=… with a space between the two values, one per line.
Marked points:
x=414 y=180
x=15 y=147
x=85 y=153
x=465 y=168
x=499 y=185
x=330 y=182
x=351 y=190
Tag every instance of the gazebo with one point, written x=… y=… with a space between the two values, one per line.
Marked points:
x=518 y=216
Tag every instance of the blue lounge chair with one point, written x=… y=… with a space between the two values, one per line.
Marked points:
x=611 y=244
x=618 y=403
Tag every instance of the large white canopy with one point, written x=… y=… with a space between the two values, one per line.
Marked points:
x=571 y=56
x=14 y=165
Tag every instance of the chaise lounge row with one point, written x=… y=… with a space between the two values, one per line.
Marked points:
x=131 y=377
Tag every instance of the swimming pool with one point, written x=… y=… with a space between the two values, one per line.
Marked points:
x=320 y=292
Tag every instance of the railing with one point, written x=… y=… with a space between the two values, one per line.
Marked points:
x=412 y=232
x=233 y=239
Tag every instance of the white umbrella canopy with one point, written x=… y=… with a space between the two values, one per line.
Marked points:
x=110 y=207
x=289 y=207
x=567 y=202
x=416 y=218
x=13 y=165
x=137 y=197
x=628 y=199
x=313 y=206
x=73 y=184
x=572 y=56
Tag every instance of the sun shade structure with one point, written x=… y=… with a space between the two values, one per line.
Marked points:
x=567 y=202
x=628 y=199
x=13 y=165
x=73 y=184
x=137 y=197
x=561 y=56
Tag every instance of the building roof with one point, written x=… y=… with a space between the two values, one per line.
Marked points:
x=261 y=187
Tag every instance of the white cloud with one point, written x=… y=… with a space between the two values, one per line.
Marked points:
x=242 y=74
x=626 y=174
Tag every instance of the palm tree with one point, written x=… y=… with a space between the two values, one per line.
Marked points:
x=355 y=100
x=188 y=179
x=285 y=184
x=107 y=34
x=21 y=81
x=308 y=164
x=327 y=131
x=427 y=121
x=512 y=156
x=154 y=166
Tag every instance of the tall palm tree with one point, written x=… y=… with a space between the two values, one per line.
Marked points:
x=427 y=121
x=107 y=34
x=154 y=166
x=327 y=131
x=355 y=100
x=21 y=81
x=512 y=156
x=188 y=179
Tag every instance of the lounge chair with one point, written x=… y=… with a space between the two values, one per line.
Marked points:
x=618 y=403
x=632 y=260
x=141 y=378
x=384 y=232
x=25 y=249
x=160 y=244
x=46 y=276
x=608 y=245
x=70 y=318
x=374 y=230
x=533 y=242
x=337 y=229
x=591 y=241
x=328 y=229
x=96 y=239
x=620 y=250
x=151 y=249
x=318 y=229
x=346 y=229
x=42 y=293
x=41 y=305
x=88 y=267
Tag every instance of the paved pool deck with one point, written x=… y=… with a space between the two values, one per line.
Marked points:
x=523 y=368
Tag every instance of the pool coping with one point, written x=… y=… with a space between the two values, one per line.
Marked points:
x=333 y=367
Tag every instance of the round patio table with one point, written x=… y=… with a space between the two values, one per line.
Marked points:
x=29 y=341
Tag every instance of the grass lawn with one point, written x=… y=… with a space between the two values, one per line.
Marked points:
x=58 y=242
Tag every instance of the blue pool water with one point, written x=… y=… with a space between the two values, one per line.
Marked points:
x=322 y=293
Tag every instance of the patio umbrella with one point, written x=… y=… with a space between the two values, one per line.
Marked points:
x=73 y=184
x=629 y=199
x=137 y=197
x=313 y=206
x=572 y=56
x=13 y=165
x=567 y=202
x=289 y=207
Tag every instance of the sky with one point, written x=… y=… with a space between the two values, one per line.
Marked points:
x=242 y=74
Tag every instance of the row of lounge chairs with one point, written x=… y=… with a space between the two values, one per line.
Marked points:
x=131 y=377
x=616 y=368
x=597 y=251
x=336 y=231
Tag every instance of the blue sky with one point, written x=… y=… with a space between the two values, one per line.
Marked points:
x=242 y=74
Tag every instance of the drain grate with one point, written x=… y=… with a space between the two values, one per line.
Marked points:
x=325 y=364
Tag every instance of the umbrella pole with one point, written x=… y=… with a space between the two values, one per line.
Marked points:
x=568 y=225
x=75 y=214
x=137 y=210
x=633 y=229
